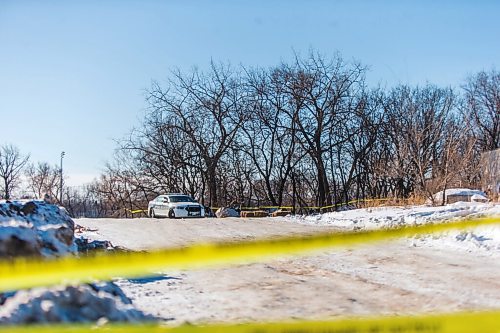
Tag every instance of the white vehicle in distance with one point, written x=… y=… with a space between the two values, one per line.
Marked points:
x=174 y=205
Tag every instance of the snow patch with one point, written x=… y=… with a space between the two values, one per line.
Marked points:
x=484 y=240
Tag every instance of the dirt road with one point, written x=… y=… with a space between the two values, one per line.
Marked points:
x=387 y=278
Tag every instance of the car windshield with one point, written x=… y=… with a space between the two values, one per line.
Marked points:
x=180 y=198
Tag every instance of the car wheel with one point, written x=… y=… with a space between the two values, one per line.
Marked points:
x=152 y=213
x=171 y=214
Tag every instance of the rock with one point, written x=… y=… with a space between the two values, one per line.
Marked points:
x=29 y=208
x=65 y=235
x=226 y=212
x=18 y=241
x=86 y=246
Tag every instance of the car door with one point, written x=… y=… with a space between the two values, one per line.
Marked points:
x=158 y=206
x=163 y=206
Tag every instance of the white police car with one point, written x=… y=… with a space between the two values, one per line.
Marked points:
x=175 y=205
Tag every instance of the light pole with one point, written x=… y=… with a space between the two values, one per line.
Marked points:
x=61 y=180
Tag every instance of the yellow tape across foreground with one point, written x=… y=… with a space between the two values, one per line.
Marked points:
x=26 y=273
x=484 y=322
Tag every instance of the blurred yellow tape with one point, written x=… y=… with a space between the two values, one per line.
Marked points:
x=26 y=273
x=484 y=322
x=135 y=211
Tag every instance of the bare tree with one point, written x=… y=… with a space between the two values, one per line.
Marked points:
x=207 y=111
x=417 y=120
x=349 y=160
x=322 y=91
x=269 y=137
x=12 y=163
x=43 y=179
x=482 y=108
x=455 y=157
x=307 y=132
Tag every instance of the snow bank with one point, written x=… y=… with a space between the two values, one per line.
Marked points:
x=40 y=229
x=384 y=217
x=35 y=228
x=481 y=239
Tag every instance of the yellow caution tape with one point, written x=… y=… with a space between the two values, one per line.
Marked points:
x=26 y=273
x=276 y=207
x=300 y=207
x=471 y=322
x=136 y=211
x=350 y=203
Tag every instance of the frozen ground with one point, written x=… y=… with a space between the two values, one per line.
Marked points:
x=446 y=272
x=146 y=233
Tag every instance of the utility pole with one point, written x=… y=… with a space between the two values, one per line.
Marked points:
x=61 y=180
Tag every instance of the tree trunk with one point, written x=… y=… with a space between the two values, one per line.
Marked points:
x=7 y=189
x=323 y=186
x=212 y=186
x=270 y=193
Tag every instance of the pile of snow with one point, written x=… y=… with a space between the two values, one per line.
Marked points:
x=472 y=195
x=40 y=229
x=389 y=217
x=87 y=303
x=483 y=239
x=35 y=228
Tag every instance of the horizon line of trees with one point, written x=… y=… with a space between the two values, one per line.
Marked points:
x=309 y=133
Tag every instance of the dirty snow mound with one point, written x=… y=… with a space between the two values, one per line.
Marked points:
x=84 y=303
x=40 y=229
x=35 y=228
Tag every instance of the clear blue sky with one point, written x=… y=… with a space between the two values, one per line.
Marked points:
x=73 y=73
